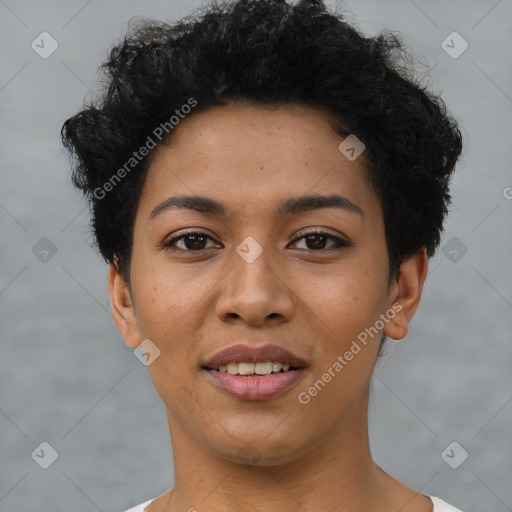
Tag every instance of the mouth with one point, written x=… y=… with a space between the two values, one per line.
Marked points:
x=254 y=369
x=254 y=373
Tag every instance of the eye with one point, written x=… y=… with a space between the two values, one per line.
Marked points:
x=193 y=241
x=196 y=241
x=318 y=239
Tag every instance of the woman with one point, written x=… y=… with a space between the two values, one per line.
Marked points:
x=267 y=186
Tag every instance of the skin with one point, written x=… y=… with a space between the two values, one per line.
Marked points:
x=312 y=299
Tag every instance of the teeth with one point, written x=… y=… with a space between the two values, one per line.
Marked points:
x=265 y=368
x=232 y=368
x=246 y=368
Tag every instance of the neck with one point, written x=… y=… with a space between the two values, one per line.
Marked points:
x=335 y=472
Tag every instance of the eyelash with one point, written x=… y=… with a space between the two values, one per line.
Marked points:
x=338 y=241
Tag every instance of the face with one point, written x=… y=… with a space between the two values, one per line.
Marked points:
x=250 y=270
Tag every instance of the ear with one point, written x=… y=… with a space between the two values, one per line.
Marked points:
x=405 y=294
x=122 y=307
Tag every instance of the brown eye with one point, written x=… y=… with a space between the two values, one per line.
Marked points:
x=196 y=241
x=190 y=242
x=317 y=240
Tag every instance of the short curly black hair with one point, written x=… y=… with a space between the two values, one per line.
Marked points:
x=267 y=53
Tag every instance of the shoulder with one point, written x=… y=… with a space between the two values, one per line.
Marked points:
x=442 y=506
x=141 y=507
x=439 y=506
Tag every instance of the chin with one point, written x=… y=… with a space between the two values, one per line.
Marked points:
x=260 y=450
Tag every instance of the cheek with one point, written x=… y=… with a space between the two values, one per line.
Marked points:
x=345 y=299
x=344 y=364
x=171 y=307
x=163 y=294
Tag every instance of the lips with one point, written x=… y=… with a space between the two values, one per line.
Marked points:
x=242 y=353
x=253 y=386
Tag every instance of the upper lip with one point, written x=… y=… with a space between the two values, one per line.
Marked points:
x=243 y=353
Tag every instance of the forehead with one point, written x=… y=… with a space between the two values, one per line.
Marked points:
x=257 y=156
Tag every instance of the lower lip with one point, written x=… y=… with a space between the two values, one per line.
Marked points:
x=261 y=387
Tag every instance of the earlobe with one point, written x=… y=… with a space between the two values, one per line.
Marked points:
x=123 y=311
x=406 y=294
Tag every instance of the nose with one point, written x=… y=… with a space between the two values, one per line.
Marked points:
x=255 y=293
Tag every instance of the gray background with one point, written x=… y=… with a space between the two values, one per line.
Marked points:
x=66 y=376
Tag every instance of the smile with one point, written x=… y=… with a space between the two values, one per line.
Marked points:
x=263 y=368
x=254 y=387
x=250 y=372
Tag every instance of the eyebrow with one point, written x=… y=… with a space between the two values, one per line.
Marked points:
x=292 y=206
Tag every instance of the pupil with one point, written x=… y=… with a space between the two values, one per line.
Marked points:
x=194 y=243
x=311 y=237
